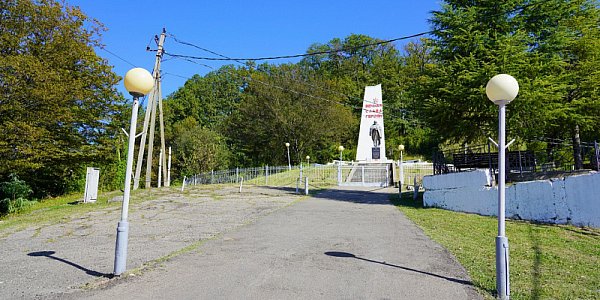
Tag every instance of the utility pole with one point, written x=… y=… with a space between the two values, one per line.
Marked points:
x=150 y=116
x=163 y=159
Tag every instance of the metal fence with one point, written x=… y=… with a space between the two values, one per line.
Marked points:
x=342 y=174
x=553 y=156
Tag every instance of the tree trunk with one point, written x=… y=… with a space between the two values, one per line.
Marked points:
x=577 y=149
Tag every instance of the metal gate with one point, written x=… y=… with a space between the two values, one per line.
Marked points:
x=364 y=174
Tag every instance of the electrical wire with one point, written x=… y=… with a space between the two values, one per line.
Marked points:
x=117 y=56
x=223 y=58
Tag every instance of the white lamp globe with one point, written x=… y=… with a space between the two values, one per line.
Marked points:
x=502 y=88
x=401 y=147
x=287 y=144
x=341 y=148
x=138 y=82
x=307 y=157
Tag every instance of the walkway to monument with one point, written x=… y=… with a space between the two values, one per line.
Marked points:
x=265 y=243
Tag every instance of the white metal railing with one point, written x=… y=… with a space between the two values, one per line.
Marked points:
x=345 y=174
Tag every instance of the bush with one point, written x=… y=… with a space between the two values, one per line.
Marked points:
x=14 y=195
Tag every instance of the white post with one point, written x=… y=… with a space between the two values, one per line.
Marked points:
x=168 y=183
x=241 y=183
x=306 y=186
x=123 y=225
x=183 y=184
x=287 y=145
x=401 y=171
x=160 y=157
x=502 y=270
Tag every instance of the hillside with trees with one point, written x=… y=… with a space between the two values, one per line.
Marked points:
x=60 y=111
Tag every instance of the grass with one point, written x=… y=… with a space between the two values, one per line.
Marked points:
x=546 y=261
x=55 y=210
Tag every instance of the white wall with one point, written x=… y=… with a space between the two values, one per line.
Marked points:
x=570 y=200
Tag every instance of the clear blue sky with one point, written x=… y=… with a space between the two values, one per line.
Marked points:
x=242 y=28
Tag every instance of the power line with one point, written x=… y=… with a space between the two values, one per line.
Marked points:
x=225 y=58
x=240 y=62
x=115 y=55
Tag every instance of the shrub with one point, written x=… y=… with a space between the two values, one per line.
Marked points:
x=14 y=195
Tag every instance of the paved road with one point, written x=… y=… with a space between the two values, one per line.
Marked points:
x=341 y=244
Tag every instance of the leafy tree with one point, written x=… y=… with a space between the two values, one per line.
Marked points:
x=57 y=96
x=281 y=104
x=198 y=149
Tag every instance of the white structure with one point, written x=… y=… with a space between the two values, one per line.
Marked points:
x=570 y=200
x=92 y=176
x=372 y=134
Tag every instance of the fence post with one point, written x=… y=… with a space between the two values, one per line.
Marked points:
x=597 y=155
x=241 y=184
x=306 y=186
x=415 y=189
x=266 y=174
x=183 y=184
x=339 y=174
x=362 y=170
x=297 y=185
x=387 y=174
x=237 y=174
x=300 y=170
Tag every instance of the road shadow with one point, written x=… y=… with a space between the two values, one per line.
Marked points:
x=350 y=255
x=362 y=196
x=50 y=254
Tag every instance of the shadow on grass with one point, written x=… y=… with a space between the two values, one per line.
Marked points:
x=408 y=200
x=350 y=255
x=49 y=254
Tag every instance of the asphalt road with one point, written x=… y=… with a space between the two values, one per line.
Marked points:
x=341 y=244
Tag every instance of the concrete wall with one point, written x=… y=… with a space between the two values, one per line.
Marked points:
x=570 y=200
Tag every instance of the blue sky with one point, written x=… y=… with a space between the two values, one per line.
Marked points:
x=242 y=28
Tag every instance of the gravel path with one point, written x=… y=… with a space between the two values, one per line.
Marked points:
x=340 y=244
x=50 y=260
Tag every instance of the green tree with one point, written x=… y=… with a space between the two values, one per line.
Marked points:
x=198 y=149
x=566 y=43
x=57 y=97
x=281 y=104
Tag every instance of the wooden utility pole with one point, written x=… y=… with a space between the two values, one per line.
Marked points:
x=153 y=98
x=163 y=160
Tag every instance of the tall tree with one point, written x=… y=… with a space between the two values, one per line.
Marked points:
x=548 y=46
x=566 y=38
x=57 y=96
x=281 y=104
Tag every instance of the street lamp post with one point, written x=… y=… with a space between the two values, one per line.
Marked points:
x=287 y=145
x=138 y=83
x=341 y=148
x=401 y=181
x=307 y=161
x=501 y=90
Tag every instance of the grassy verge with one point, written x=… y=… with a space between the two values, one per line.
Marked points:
x=546 y=261
x=56 y=210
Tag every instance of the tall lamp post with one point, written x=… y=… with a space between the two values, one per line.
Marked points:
x=287 y=145
x=501 y=90
x=401 y=181
x=138 y=83
x=307 y=161
x=341 y=148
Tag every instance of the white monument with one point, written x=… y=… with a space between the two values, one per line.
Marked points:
x=371 y=137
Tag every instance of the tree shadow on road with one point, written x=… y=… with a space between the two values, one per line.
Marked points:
x=50 y=254
x=350 y=255
x=362 y=196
